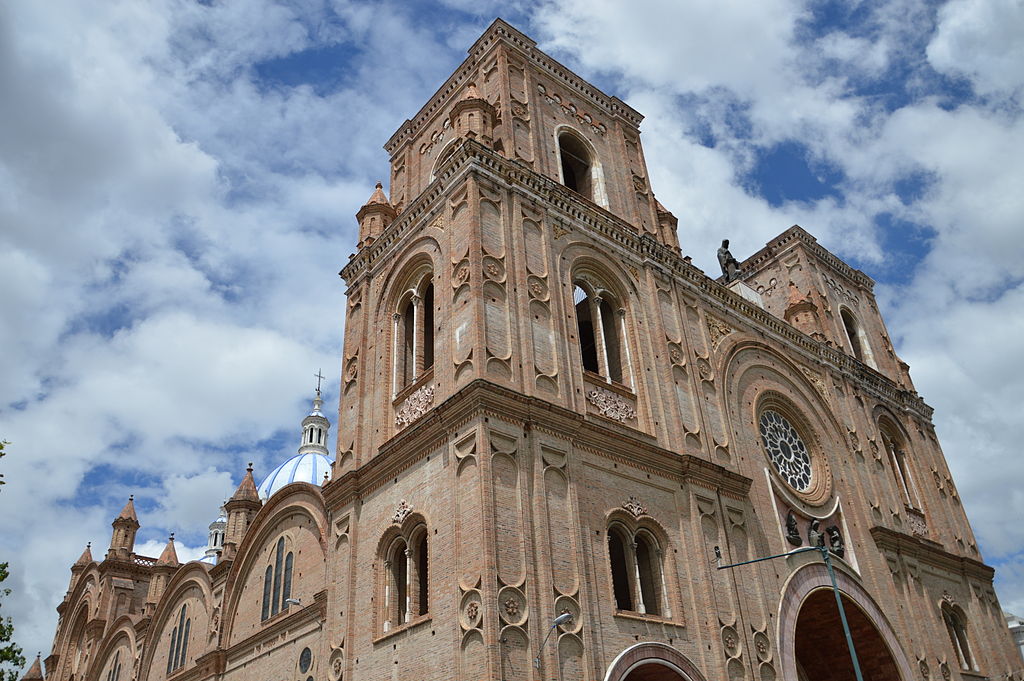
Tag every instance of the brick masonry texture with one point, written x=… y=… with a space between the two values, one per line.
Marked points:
x=472 y=416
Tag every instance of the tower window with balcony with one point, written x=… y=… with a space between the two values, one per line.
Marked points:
x=576 y=165
x=414 y=333
x=895 y=448
x=600 y=325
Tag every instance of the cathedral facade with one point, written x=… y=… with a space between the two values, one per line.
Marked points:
x=550 y=424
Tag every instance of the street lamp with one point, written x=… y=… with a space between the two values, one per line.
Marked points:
x=561 y=619
x=835 y=589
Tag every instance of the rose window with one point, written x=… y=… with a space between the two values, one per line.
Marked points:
x=786 y=450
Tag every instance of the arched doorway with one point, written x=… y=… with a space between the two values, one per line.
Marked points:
x=652 y=662
x=821 y=650
x=811 y=639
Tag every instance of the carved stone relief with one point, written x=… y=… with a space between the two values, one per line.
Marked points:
x=414 y=406
x=717 y=330
x=634 y=506
x=402 y=512
x=611 y=405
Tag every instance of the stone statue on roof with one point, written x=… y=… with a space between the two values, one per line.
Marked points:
x=730 y=266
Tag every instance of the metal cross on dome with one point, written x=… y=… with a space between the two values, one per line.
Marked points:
x=319 y=375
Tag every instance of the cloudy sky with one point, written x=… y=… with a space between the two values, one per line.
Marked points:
x=178 y=182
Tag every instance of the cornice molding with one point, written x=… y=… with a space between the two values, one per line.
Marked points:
x=797 y=234
x=481 y=398
x=500 y=32
x=930 y=553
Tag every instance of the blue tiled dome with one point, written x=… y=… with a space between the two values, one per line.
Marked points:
x=308 y=467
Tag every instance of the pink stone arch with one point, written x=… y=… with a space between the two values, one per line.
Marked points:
x=652 y=653
x=812 y=577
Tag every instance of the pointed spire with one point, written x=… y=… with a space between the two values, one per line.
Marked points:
x=86 y=556
x=247 y=488
x=128 y=512
x=169 y=556
x=375 y=216
x=35 y=672
x=378 y=196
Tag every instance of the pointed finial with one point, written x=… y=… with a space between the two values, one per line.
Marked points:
x=326 y=475
x=319 y=375
x=131 y=497
x=171 y=538
x=249 y=468
x=88 y=544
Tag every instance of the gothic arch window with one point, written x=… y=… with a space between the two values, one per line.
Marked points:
x=114 y=674
x=601 y=330
x=414 y=332
x=954 y=619
x=178 y=652
x=406 y=584
x=277 y=580
x=895 y=448
x=637 y=569
x=579 y=169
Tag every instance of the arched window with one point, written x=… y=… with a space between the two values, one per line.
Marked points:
x=275 y=604
x=277 y=582
x=620 y=570
x=414 y=334
x=600 y=325
x=638 y=582
x=648 y=567
x=268 y=579
x=954 y=619
x=421 y=574
x=115 y=669
x=857 y=338
x=397 y=589
x=896 y=452
x=176 y=655
x=406 y=589
x=576 y=164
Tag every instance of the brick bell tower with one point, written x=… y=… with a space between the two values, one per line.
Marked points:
x=545 y=409
x=463 y=378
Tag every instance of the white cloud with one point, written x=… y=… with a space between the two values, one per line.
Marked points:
x=171 y=223
x=980 y=39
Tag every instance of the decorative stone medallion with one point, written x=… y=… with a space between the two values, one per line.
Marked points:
x=786 y=450
x=512 y=605
x=414 y=406
x=611 y=405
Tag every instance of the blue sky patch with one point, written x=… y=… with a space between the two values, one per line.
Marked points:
x=783 y=173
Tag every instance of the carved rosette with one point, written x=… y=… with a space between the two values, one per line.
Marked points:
x=611 y=405
x=414 y=406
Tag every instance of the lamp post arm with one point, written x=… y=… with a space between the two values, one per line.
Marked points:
x=835 y=590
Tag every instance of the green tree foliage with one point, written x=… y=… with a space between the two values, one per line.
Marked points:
x=11 y=659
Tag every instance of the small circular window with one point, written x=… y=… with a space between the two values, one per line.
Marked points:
x=305 y=660
x=786 y=450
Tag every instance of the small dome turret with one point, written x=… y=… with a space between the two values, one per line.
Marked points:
x=313 y=459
